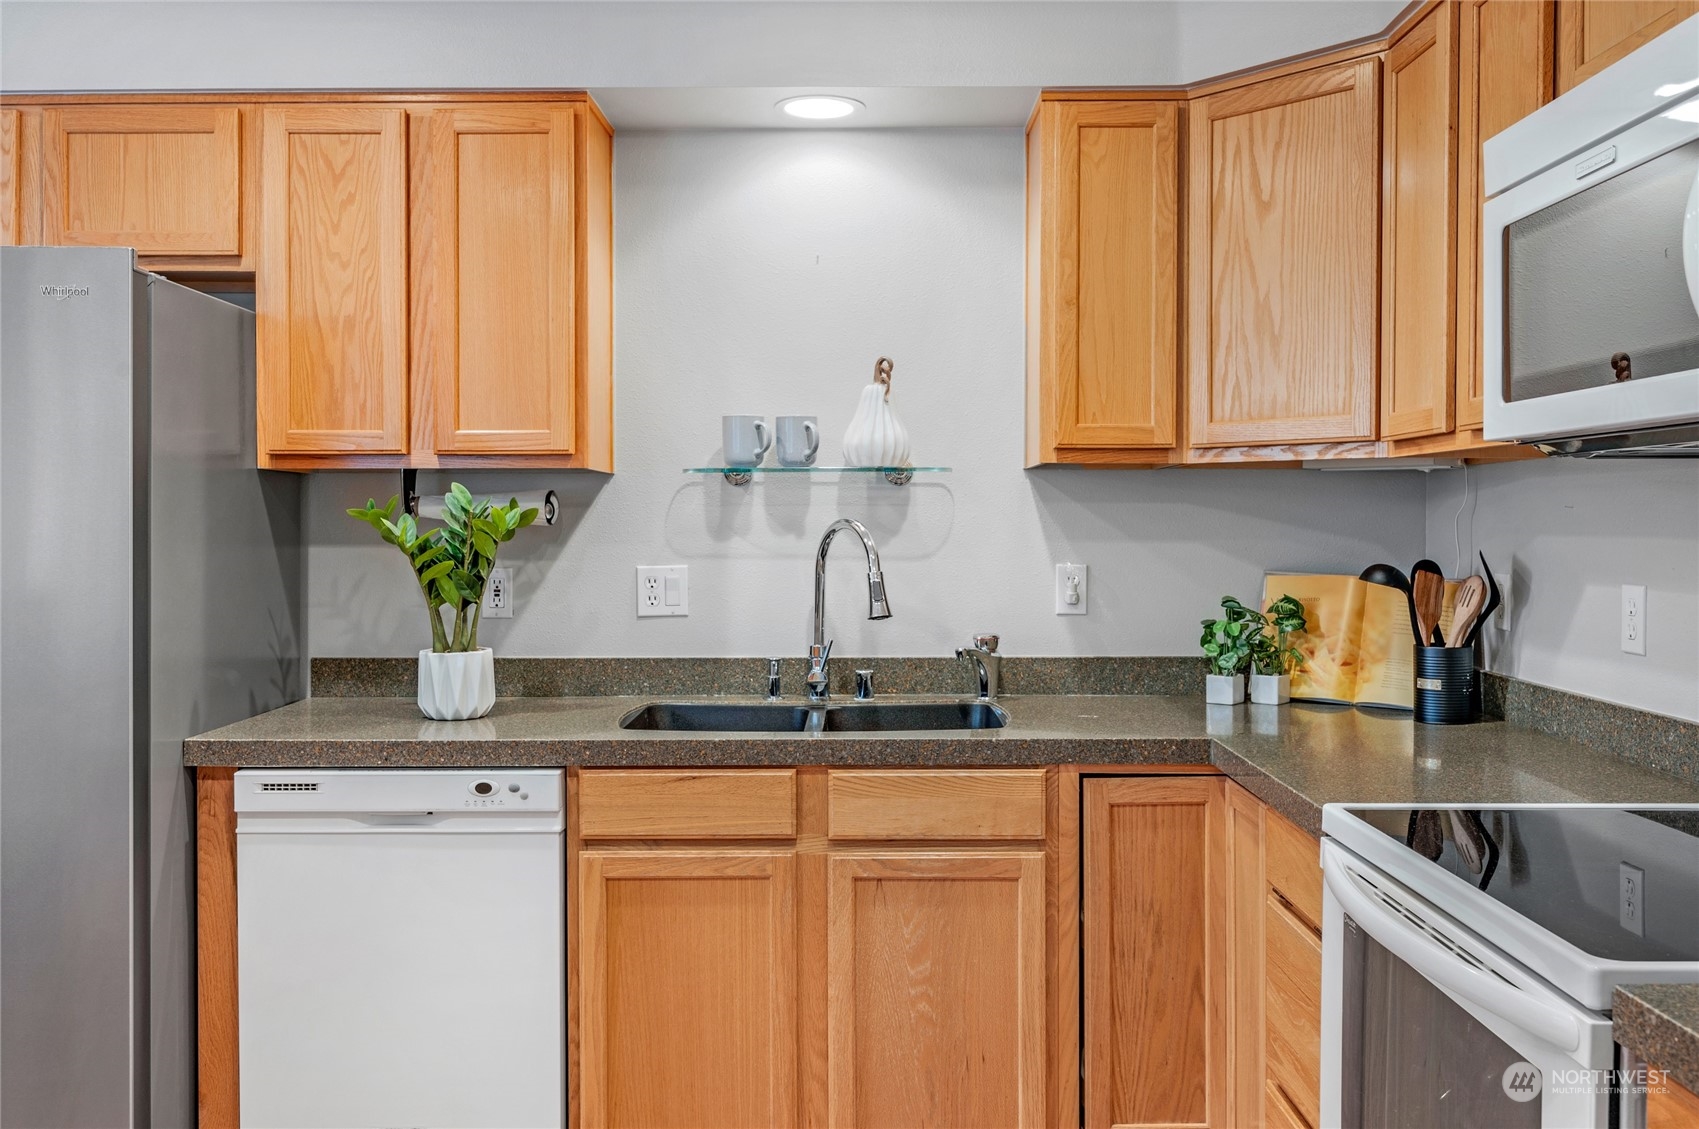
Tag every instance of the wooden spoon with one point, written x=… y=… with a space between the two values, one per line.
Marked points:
x=1427 y=593
x=1471 y=598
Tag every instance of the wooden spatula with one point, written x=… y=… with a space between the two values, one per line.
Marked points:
x=1471 y=598
x=1427 y=593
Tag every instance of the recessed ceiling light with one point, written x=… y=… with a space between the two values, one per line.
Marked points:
x=820 y=107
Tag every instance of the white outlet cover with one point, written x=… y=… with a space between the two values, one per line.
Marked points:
x=663 y=590
x=1080 y=575
x=498 y=594
x=1634 y=619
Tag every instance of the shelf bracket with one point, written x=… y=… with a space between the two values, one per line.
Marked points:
x=739 y=477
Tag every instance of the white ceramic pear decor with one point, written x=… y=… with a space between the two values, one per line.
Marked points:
x=875 y=436
x=457 y=685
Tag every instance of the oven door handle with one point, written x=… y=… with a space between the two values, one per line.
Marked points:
x=1446 y=971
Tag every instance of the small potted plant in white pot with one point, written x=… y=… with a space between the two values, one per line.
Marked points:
x=457 y=678
x=1273 y=658
x=1226 y=645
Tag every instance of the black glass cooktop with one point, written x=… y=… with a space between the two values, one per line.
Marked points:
x=1619 y=883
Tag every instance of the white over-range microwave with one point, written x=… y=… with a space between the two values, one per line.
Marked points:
x=1590 y=271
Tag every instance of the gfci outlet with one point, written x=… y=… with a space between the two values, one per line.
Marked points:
x=1634 y=619
x=498 y=594
x=1631 y=899
x=1071 y=588
x=663 y=590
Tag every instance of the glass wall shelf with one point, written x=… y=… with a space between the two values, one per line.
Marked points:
x=741 y=476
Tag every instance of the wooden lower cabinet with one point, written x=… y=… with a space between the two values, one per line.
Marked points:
x=1673 y=1107
x=1275 y=963
x=935 y=989
x=687 y=989
x=1155 y=940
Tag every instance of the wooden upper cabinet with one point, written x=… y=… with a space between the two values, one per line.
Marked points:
x=331 y=285
x=1593 y=34
x=165 y=179
x=1103 y=365
x=1505 y=61
x=1283 y=263
x=687 y=989
x=494 y=261
x=1419 y=225
x=11 y=176
x=935 y=989
x=1156 y=936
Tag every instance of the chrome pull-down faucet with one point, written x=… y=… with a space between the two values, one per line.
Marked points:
x=878 y=607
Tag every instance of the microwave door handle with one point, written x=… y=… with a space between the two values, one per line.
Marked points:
x=1446 y=971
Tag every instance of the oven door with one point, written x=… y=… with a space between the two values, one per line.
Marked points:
x=1424 y=1026
x=1590 y=289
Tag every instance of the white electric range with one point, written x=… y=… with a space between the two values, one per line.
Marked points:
x=1469 y=955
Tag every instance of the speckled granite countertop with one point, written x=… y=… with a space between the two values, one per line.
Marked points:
x=1660 y=1024
x=1295 y=758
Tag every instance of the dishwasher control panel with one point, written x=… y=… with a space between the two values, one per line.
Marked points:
x=380 y=791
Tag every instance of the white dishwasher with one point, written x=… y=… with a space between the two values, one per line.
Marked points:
x=401 y=948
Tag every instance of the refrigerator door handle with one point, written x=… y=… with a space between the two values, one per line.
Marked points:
x=1443 y=968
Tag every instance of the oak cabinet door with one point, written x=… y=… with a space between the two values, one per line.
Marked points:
x=1156 y=897
x=164 y=179
x=935 y=989
x=494 y=266
x=1419 y=230
x=1283 y=263
x=331 y=284
x=11 y=176
x=1593 y=34
x=1104 y=271
x=1505 y=73
x=687 y=989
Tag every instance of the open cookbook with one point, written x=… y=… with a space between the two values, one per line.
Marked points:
x=1358 y=647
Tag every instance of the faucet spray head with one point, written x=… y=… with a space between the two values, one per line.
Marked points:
x=878 y=607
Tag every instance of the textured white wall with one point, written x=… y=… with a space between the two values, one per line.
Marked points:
x=1575 y=532
x=764 y=272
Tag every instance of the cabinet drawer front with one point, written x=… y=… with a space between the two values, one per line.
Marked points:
x=726 y=804
x=1294 y=1008
x=161 y=179
x=941 y=804
x=1294 y=867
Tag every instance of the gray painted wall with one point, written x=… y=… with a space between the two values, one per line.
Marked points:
x=1573 y=532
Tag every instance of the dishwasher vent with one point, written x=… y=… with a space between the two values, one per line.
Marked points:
x=278 y=786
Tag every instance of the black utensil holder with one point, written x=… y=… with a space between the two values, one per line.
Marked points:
x=1447 y=685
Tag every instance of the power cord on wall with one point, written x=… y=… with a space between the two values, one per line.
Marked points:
x=1456 y=527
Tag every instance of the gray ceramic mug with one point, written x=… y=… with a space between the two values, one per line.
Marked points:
x=798 y=440
x=744 y=440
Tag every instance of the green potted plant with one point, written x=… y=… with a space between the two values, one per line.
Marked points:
x=1273 y=658
x=1226 y=646
x=457 y=678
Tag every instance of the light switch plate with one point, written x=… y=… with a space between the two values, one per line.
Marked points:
x=663 y=590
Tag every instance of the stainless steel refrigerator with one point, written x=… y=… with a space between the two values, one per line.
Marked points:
x=150 y=588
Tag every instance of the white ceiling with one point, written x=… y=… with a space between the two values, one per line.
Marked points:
x=674 y=63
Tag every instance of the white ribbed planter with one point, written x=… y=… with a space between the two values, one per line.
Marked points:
x=457 y=686
x=1224 y=689
x=1271 y=689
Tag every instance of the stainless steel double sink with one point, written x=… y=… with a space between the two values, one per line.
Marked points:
x=822 y=717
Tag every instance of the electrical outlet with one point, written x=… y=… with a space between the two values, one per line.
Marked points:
x=663 y=590
x=1502 y=575
x=1631 y=899
x=498 y=594
x=1634 y=619
x=1071 y=588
